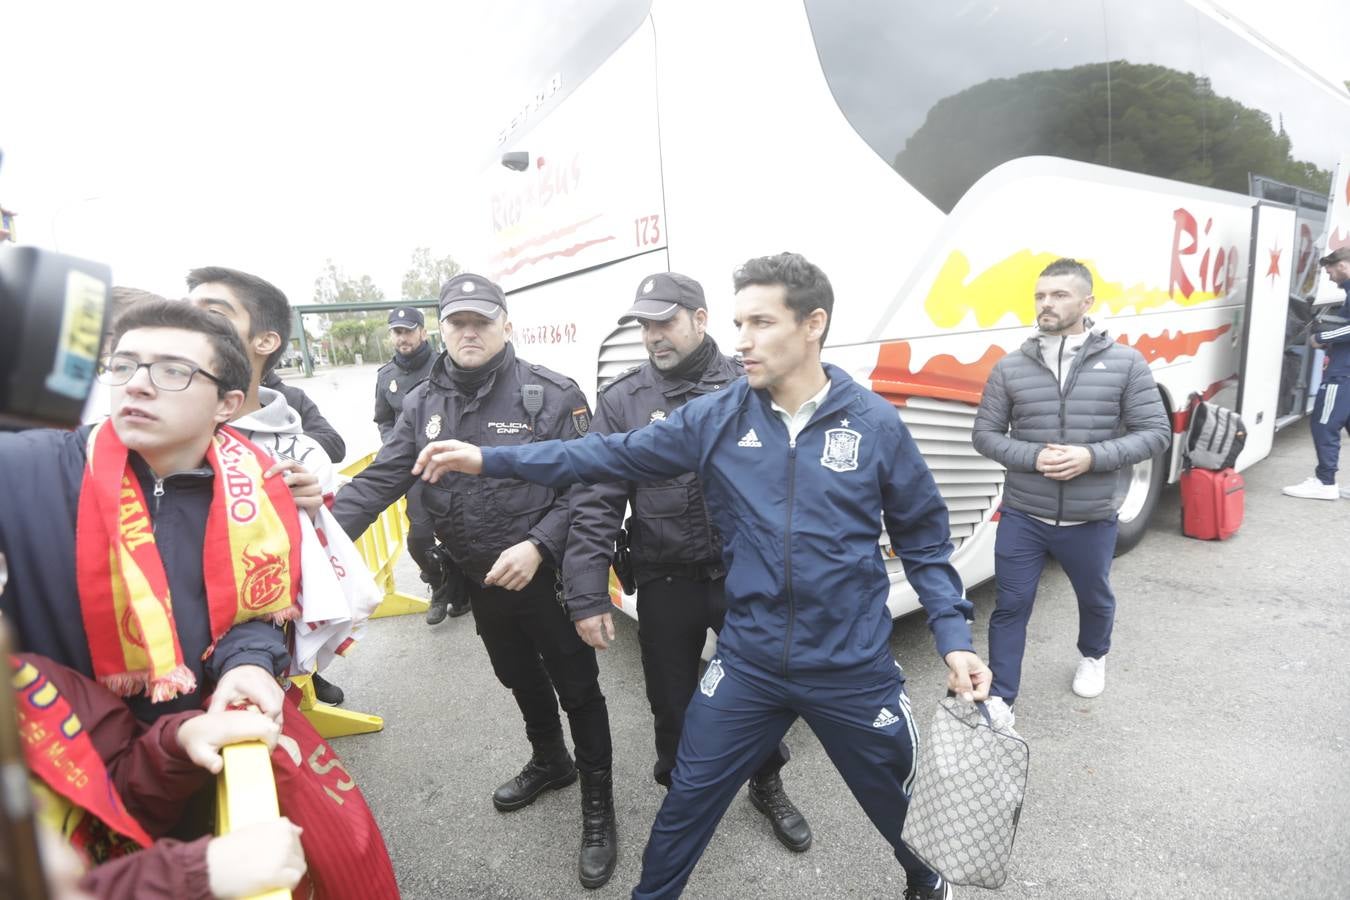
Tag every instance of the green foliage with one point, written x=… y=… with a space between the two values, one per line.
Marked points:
x=1161 y=122
x=333 y=286
x=426 y=274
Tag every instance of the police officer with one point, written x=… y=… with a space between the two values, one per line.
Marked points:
x=674 y=552
x=409 y=367
x=507 y=537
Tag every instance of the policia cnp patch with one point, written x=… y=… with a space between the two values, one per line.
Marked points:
x=581 y=420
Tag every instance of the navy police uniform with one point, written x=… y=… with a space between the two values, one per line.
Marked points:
x=393 y=382
x=807 y=628
x=533 y=646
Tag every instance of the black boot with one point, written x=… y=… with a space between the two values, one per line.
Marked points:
x=789 y=825
x=549 y=768
x=436 y=611
x=599 y=834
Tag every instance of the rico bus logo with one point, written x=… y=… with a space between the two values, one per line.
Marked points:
x=1199 y=260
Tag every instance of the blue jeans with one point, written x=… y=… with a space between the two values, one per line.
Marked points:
x=1021 y=548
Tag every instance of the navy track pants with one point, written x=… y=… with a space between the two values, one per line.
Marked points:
x=737 y=717
x=1021 y=548
x=1330 y=415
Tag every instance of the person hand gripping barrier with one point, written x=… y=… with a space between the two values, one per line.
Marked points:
x=257 y=858
x=202 y=737
x=249 y=684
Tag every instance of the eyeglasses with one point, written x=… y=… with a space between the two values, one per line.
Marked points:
x=165 y=374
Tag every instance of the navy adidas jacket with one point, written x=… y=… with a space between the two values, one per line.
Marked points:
x=1336 y=340
x=40 y=476
x=806 y=584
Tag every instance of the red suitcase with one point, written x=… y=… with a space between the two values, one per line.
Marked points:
x=1211 y=503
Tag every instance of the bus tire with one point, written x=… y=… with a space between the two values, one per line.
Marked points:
x=1147 y=480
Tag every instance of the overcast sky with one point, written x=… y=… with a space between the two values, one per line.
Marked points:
x=159 y=136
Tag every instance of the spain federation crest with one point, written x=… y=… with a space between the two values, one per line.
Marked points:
x=711 y=678
x=433 y=429
x=841 y=449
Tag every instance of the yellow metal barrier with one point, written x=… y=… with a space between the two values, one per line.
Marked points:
x=381 y=547
x=333 y=721
x=246 y=794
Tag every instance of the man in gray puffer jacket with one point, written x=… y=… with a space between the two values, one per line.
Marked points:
x=1063 y=414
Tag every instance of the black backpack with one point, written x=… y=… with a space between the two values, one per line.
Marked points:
x=1214 y=437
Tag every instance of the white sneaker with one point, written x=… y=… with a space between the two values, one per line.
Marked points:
x=1345 y=492
x=1001 y=716
x=1312 y=489
x=1090 y=679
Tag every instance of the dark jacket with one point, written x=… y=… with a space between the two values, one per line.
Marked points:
x=806 y=584
x=1336 y=339
x=1109 y=404
x=40 y=476
x=314 y=424
x=476 y=519
x=393 y=382
x=670 y=530
x=155 y=779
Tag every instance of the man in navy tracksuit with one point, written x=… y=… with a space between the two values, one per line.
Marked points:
x=798 y=464
x=1331 y=412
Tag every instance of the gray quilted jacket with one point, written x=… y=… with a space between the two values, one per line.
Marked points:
x=1109 y=404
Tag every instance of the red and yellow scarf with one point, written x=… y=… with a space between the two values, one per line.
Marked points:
x=81 y=801
x=251 y=562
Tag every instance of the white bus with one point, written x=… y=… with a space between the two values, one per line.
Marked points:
x=932 y=158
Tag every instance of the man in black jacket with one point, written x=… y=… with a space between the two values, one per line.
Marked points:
x=675 y=550
x=507 y=537
x=410 y=365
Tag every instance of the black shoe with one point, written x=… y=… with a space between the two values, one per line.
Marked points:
x=459 y=608
x=789 y=825
x=942 y=892
x=325 y=690
x=547 y=774
x=599 y=833
x=436 y=611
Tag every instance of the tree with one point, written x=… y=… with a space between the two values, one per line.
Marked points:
x=426 y=274
x=1161 y=122
x=333 y=286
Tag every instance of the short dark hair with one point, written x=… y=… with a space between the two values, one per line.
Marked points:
x=807 y=287
x=268 y=309
x=230 y=366
x=1066 y=266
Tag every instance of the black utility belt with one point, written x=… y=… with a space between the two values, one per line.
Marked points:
x=692 y=572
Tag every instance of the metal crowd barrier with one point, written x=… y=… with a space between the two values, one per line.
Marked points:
x=382 y=547
x=246 y=794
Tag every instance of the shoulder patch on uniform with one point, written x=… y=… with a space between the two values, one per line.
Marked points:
x=581 y=420
x=552 y=377
x=626 y=373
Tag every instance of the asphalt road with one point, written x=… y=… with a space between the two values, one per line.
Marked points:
x=1216 y=765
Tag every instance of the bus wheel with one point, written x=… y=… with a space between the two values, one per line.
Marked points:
x=1141 y=498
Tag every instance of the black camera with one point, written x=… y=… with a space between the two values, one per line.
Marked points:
x=52 y=318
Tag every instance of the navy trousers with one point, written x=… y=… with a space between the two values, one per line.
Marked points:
x=1330 y=415
x=1021 y=548
x=737 y=717
x=674 y=615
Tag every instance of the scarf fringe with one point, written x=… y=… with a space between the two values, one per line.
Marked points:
x=179 y=681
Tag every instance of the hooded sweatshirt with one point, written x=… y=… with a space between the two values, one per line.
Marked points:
x=276 y=429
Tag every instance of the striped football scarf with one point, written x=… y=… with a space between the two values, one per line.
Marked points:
x=251 y=562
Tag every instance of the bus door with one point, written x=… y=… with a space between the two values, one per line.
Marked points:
x=1265 y=316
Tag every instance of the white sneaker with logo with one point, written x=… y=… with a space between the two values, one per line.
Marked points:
x=1090 y=679
x=1312 y=489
